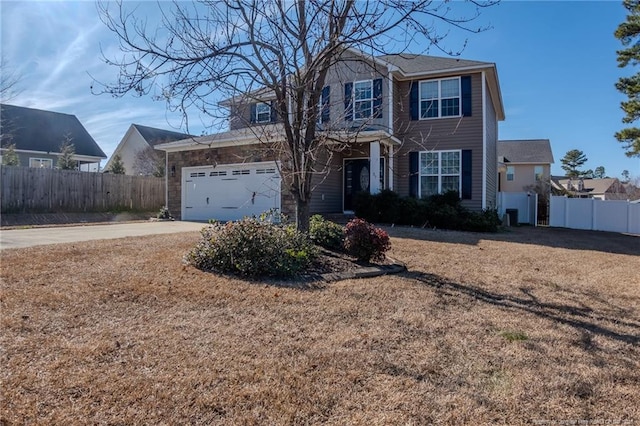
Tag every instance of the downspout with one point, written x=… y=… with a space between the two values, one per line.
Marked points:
x=390 y=150
x=484 y=141
x=166 y=179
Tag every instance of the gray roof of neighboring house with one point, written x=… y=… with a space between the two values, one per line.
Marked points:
x=45 y=131
x=534 y=151
x=155 y=136
x=411 y=63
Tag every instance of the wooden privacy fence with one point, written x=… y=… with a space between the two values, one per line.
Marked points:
x=36 y=190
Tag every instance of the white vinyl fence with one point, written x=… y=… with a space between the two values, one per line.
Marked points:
x=524 y=202
x=593 y=214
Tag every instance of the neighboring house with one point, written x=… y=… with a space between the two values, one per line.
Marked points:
x=414 y=124
x=139 y=138
x=524 y=164
x=38 y=135
x=602 y=189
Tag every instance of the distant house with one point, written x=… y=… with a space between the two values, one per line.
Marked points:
x=602 y=189
x=136 y=140
x=523 y=164
x=38 y=136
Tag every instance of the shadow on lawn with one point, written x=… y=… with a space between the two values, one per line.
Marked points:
x=581 y=318
x=572 y=239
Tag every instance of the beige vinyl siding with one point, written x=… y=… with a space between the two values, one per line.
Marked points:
x=491 y=154
x=439 y=134
x=524 y=177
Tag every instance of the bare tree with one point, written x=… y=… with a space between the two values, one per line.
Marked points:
x=9 y=81
x=204 y=52
x=149 y=162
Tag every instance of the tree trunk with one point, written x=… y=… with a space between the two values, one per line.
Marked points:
x=302 y=215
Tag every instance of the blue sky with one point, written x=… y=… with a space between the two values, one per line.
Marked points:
x=556 y=63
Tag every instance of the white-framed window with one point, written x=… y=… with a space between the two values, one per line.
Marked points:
x=41 y=163
x=363 y=99
x=263 y=113
x=511 y=173
x=440 y=171
x=440 y=98
x=538 y=173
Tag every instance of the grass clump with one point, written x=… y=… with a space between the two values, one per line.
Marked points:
x=253 y=248
x=514 y=336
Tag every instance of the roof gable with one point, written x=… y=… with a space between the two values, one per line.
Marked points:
x=531 y=151
x=45 y=131
x=414 y=64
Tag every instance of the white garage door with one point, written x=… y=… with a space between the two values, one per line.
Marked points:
x=229 y=192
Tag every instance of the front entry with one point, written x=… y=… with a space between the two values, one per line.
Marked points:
x=356 y=179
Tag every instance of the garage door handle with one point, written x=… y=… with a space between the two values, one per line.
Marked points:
x=253 y=198
x=207 y=200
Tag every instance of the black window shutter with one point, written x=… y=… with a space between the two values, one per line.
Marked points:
x=348 y=102
x=326 y=106
x=414 y=175
x=466 y=174
x=413 y=101
x=274 y=115
x=465 y=83
x=253 y=113
x=377 y=98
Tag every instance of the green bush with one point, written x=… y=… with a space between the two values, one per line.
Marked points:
x=325 y=233
x=253 y=248
x=442 y=211
x=364 y=241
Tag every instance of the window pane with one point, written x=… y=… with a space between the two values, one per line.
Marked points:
x=538 y=173
x=510 y=173
x=429 y=109
x=450 y=163
x=428 y=90
x=450 y=107
x=429 y=163
x=450 y=88
x=263 y=112
x=363 y=109
x=363 y=90
x=450 y=183
x=428 y=185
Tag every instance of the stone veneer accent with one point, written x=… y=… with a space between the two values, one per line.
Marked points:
x=213 y=156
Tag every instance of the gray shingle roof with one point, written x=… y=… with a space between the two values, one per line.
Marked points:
x=155 y=136
x=45 y=131
x=411 y=63
x=536 y=151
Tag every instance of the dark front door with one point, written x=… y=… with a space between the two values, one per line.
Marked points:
x=356 y=179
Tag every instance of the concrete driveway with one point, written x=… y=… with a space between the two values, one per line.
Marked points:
x=19 y=238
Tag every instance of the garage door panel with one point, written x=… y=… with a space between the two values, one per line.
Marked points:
x=230 y=192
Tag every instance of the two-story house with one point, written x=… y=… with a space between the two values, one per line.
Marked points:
x=525 y=163
x=415 y=124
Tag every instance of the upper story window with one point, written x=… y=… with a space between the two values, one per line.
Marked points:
x=363 y=99
x=440 y=98
x=511 y=173
x=263 y=113
x=440 y=171
x=538 y=172
x=44 y=163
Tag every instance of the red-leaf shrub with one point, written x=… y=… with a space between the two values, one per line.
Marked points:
x=364 y=241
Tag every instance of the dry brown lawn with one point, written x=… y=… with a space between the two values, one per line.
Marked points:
x=534 y=326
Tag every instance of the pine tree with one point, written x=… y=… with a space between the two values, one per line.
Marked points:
x=10 y=157
x=117 y=167
x=67 y=151
x=571 y=161
x=628 y=33
x=599 y=173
